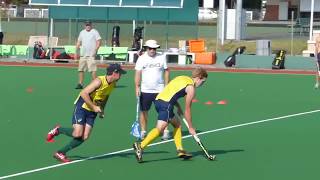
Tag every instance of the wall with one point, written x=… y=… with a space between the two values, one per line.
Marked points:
x=265 y=62
x=272 y=13
x=189 y=13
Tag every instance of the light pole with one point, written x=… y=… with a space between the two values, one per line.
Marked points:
x=1 y=31
x=311 y=20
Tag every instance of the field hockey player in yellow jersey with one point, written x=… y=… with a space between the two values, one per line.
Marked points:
x=90 y=102
x=181 y=86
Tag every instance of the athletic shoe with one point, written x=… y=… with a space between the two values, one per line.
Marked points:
x=61 y=157
x=51 y=134
x=183 y=154
x=316 y=86
x=166 y=135
x=138 y=150
x=143 y=134
x=79 y=86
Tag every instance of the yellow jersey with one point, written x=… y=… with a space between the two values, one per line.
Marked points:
x=100 y=94
x=175 y=89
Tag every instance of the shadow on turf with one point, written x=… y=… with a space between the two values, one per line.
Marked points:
x=132 y=154
x=197 y=153
x=164 y=159
x=120 y=86
x=215 y=152
x=125 y=155
x=185 y=133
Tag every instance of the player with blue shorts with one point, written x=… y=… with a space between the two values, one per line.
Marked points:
x=90 y=102
x=181 y=86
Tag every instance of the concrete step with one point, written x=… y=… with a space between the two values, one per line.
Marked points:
x=307 y=53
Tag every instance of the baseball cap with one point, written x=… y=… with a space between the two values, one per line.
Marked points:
x=115 y=68
x=88 y=23
x=151 y=44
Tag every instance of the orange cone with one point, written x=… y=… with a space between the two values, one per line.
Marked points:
x=29 y=90
x=222 y=102
x=209 y=103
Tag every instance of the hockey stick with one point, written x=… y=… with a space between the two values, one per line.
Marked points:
x=138 y=109
x=197 y=139
x=135 y=128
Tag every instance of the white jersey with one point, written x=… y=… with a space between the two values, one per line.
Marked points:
x=152 y=70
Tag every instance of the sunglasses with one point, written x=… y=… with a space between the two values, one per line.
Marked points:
x=151 y=48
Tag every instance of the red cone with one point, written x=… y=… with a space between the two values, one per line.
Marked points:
x=209 y=103
x=29 y=90
x=222 y=102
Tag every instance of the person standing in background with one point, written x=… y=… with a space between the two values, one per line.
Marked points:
x=90 y=40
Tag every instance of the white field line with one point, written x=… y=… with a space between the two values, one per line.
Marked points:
x=162 y=142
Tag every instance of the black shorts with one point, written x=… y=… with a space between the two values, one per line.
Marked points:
x=146 y=100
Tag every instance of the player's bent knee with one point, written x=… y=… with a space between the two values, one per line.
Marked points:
x=77 y=135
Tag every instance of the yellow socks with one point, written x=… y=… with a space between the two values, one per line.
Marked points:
x=152 y=135
x=177 y=135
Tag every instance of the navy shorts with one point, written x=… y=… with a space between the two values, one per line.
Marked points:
x=165 y=110
x=81 y=115
x=146 y=100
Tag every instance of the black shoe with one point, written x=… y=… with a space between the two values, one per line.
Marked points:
x=79 y=86
x=183 y=154
x=138 y=150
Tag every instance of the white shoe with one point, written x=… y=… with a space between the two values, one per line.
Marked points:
x=166 y=135
x=316 y=86
x=143 y=134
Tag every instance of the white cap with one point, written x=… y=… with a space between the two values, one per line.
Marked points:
x=151 y=44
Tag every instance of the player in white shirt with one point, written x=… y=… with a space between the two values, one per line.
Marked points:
x=151 y=76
